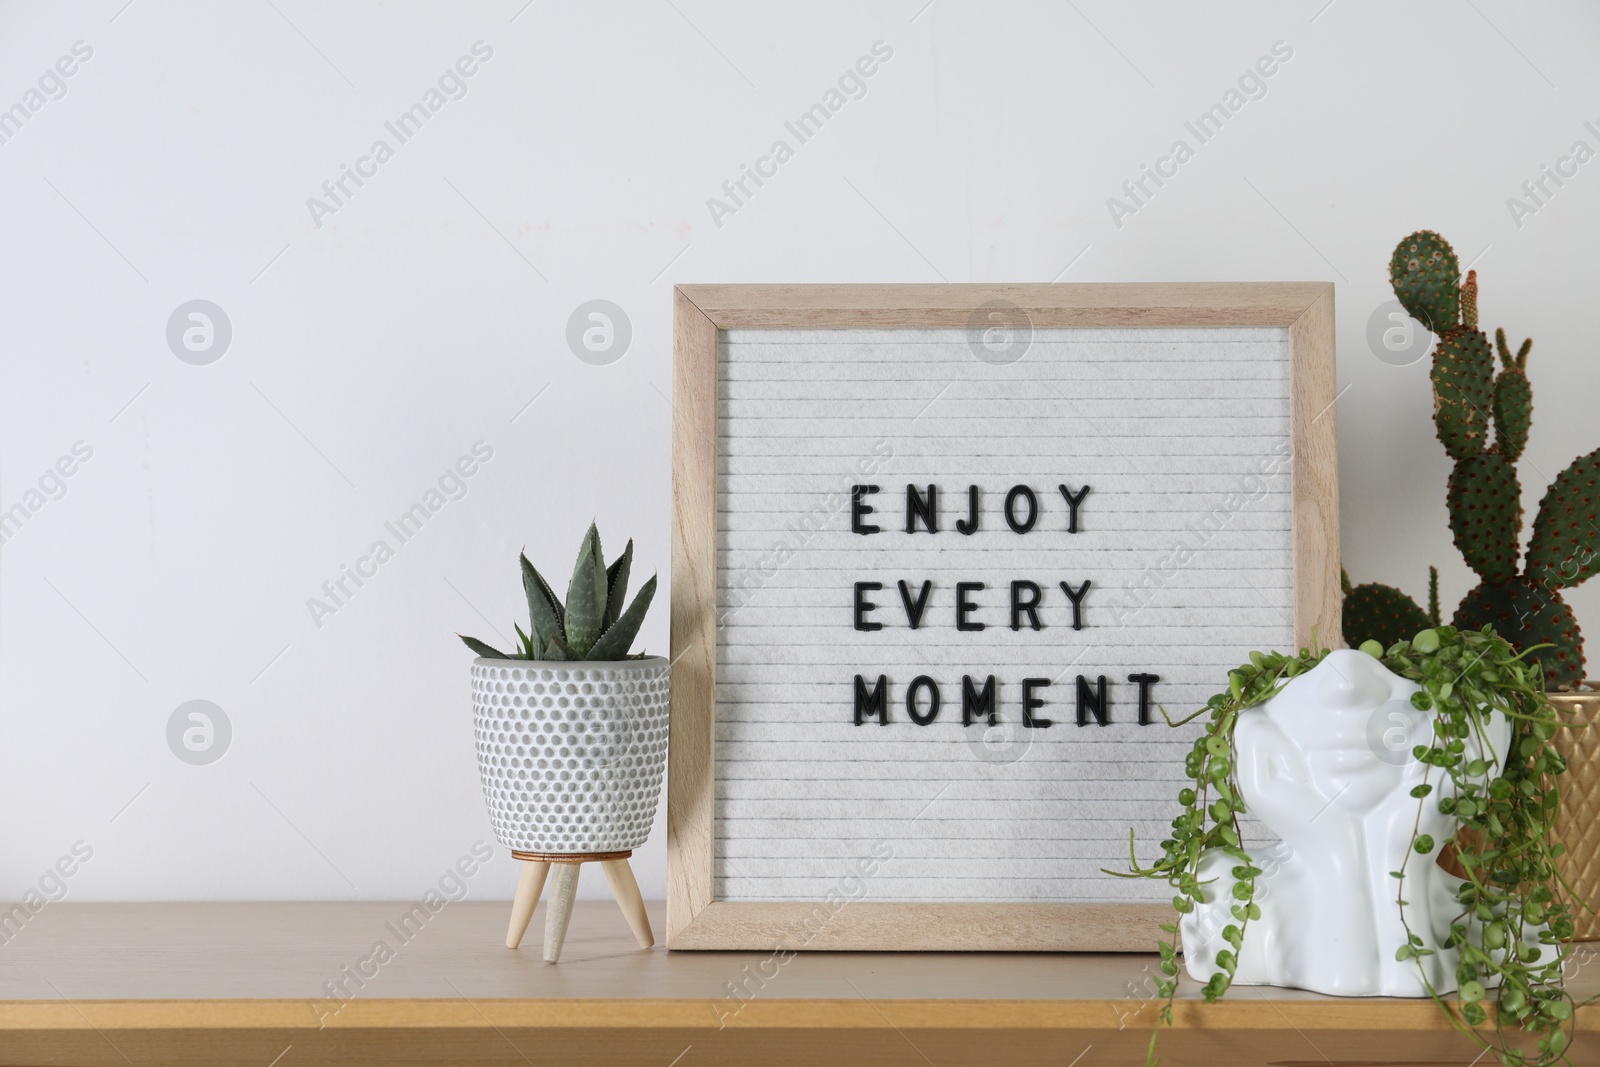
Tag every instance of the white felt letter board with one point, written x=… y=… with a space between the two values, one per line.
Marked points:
x=942 y=555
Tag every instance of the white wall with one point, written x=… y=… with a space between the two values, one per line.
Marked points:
x=372 y=350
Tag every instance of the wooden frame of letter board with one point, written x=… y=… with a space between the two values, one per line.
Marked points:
x=695 y=919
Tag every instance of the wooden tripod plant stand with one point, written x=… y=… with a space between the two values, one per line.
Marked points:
x=564 y=890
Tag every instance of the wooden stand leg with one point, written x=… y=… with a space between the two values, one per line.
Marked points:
x=529 y=885
x=558 y=912
x=626 y=890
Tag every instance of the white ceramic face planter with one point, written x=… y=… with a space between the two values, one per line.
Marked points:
x=1327 y=765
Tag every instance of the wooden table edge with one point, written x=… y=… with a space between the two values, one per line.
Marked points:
x=1245 y=1010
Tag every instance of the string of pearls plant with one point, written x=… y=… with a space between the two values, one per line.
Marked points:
x=1513 y=899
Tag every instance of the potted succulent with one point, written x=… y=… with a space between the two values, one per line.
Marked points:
x=1519 y=593
x=572 y=738
x=1484 y=760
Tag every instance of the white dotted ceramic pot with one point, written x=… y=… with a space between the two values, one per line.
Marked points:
x=571 y=754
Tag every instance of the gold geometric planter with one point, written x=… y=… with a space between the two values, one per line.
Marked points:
x=1578 y=823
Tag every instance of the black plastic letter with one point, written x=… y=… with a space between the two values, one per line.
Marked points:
x=965 y=607
x=1144 y=682
x=1028 y=606
x=1077 y=602
x=873 y=703
x=924 y=508
x=1029 y=702
x=860 y=509
x=863 y=605
x=1093 y=701
x=1072 y=505
x=919 y=683
x=915 y=608
x=975 y=704
x=969 y=525
x=1021 y=492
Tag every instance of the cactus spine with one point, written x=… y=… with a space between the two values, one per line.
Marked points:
x=1523 y=604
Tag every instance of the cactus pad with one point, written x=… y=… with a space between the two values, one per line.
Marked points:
x=1426 y=276
x=1485 y=503
x=1518 y=360
x=1565 y=548
x=1381 y=613
x=1513 y=413
x=1527 y=614
x=1463 y=391
x=1513 y=399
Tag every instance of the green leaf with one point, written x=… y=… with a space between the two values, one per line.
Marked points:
x=544 y=610
x=529 y=649
x=586 y=595
x=618 y=638
x=617 y=583
x=482 y=649
x=559 y=649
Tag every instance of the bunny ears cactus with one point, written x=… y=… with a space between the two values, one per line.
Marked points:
x=1484 y=496
x=592 y=624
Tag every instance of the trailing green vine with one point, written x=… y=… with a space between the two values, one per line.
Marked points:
x=1513 y=900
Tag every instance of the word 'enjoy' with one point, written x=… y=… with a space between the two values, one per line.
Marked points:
x=924 y=508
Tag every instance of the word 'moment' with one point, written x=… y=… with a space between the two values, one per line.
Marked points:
x=924 y=699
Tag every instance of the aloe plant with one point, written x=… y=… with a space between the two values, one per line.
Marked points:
x=592 y=624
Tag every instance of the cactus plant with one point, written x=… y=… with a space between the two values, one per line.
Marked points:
x=592 y=624
x=1484 y=496
x=1382 y=613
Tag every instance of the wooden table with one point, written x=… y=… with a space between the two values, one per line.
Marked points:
x=249 y=985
